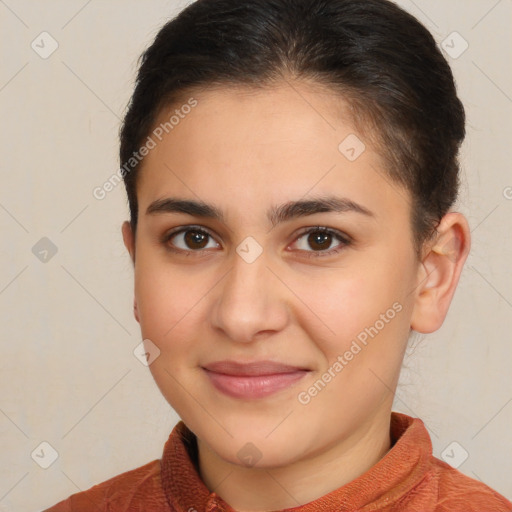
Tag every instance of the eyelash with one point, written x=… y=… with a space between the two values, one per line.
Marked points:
x=344 y=239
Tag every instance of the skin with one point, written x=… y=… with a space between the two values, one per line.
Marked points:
x=244 y=151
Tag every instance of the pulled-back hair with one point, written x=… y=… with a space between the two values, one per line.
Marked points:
x=383 y=62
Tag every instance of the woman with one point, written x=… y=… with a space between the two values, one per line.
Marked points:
x=290 y=168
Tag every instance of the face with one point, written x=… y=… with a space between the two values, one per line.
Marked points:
x=309 y=306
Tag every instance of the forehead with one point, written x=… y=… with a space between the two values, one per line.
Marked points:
x=252 y=146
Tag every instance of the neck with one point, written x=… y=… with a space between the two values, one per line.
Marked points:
x=275 y=488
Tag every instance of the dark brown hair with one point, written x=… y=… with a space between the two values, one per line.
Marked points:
x=380 y=59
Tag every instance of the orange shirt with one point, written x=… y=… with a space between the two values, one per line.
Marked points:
x=407 y=479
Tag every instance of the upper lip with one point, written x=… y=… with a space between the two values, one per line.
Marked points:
x=253 y=368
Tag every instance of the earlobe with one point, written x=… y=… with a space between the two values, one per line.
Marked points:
x=135 y=310
x=439 y=272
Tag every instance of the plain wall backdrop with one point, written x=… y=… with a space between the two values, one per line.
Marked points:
x=68 y=375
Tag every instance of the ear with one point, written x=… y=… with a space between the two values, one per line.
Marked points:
x=439 y=272
x=129 y=239
x=129 y=243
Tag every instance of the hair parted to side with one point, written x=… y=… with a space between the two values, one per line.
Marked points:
x=383 y=62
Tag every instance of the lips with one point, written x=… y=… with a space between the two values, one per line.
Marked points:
x=255 y=368
x=252 y=380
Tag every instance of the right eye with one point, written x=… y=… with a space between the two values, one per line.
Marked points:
x=188 y=239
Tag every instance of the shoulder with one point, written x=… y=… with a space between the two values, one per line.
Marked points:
x=134 y=490
x=459 y=492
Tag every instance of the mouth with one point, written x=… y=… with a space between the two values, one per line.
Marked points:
x=252 y=380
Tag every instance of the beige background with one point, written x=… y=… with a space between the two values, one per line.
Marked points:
x=68 y=373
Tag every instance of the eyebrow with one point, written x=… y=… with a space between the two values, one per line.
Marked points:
x=276 y=214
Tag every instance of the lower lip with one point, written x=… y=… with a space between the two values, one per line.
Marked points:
x=254 y=386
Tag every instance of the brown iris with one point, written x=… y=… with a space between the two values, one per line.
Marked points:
x=196 y=237
x=318 y=240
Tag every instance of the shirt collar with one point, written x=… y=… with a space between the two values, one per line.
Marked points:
x=403 y=466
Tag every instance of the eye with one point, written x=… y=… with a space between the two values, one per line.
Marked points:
x=321 y=240
x=188 y=239
x=193 y=239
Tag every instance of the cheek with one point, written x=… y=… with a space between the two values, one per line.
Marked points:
x=358 y=313
x=362 y=357
x=169 y=304
x=166 y=298
x=342 y=302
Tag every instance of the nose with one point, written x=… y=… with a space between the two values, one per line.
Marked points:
x=251 y=301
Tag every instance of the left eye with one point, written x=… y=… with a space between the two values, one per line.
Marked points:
x=321 y=240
